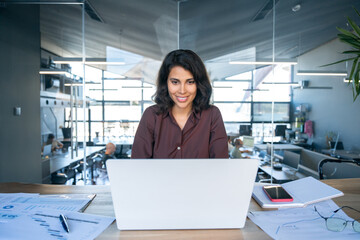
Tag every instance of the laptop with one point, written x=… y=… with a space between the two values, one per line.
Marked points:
x=150 y=194
x=47 y=150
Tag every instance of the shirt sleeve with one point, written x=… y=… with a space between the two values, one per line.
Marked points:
x=144 y=137
x=218 y=138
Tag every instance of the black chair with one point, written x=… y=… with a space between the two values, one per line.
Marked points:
x=61 y=177
x=322 y=162
x=89 y=165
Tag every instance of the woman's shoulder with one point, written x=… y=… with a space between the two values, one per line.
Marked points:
x=151 y=112
x=213 y=110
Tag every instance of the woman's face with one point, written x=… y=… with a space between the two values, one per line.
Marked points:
x=182 y=88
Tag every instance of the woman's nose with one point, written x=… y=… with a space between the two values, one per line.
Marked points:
x=182 y=88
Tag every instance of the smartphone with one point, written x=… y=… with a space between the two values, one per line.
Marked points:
x=277 y=193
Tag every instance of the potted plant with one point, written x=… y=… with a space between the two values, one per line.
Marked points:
x=352 y=38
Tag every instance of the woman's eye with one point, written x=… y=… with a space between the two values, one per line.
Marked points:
x=174 y=82
x=191 y=82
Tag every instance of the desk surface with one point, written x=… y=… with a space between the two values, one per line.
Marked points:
x=102 y=204
x=343 y=153
x=283 y=175
x=60 y=160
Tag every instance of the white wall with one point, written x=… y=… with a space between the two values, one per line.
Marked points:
x=334 y=109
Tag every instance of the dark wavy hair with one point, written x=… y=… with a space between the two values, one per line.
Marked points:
x=191 y=62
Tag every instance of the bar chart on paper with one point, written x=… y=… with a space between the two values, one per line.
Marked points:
x=46 y=225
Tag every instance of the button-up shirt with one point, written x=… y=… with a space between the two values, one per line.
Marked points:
x=159 y=136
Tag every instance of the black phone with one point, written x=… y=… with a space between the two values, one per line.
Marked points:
x=277 y=193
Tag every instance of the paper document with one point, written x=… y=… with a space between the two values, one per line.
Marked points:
x=45 y=224
x=302 y=223
x=304 y=191
x=23 y=201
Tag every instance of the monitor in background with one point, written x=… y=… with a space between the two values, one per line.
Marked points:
x=339 y=145
x=268 y=149
x=291 y=160
x=248 y=142
x=245 y=130
x=280 y=130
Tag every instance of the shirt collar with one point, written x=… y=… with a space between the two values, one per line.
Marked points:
x=193 y=115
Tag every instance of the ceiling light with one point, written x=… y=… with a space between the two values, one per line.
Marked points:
x=347 y=80
x=222 y=86
x=73 y=84
x=55 y=72
x=282 y=83
x=117 y=78
x=296 y=8
x=136 y=87
x=288 y=62
x=320 y=73
x=90 y=61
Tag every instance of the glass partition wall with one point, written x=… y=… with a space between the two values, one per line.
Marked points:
x=112 y=51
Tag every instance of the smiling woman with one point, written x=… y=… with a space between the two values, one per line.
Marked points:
x=182 y=124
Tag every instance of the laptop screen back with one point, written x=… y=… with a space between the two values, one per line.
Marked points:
x=248 y=141
x=47 y=150
x=291 y=160
x=181 y=193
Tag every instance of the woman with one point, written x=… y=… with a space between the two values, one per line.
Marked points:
x=182 y=124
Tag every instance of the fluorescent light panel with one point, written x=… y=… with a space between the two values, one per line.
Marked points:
x=222 y=86
x=282 y=83
x=53 y=71
x=97 y=61
x=265 y=62
x=321 y=73
x=136 y=87
x=73 y=84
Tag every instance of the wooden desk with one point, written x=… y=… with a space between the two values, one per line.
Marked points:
x=102 y=204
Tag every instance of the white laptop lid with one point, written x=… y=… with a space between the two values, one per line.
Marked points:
x=181 y=193
x=47 y=150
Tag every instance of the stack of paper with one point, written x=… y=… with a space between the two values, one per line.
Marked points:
x=304 y=191
x=34 y=216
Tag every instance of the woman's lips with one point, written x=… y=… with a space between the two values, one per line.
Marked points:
x=182 y=99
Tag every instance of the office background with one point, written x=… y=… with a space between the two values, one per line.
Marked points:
x=30 y=33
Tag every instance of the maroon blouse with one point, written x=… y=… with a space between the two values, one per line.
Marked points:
x=159 y=136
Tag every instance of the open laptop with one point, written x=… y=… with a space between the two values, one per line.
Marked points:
x=47 y=150
x=181 y=193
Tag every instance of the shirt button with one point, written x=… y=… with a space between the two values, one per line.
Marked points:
x=178 y=148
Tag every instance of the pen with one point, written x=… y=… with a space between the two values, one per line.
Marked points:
x=63 y=220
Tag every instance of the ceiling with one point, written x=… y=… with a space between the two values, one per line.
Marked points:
x=211 y=28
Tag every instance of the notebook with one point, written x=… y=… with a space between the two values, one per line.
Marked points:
x=181 y=193
x=304 y=191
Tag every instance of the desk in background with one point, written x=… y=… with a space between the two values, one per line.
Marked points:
x=102 y=205
x=342 y=153
x=281 y=176
x=261 y=147
x=60 y=160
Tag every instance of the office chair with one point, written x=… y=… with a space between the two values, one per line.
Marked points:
x=322 y=162
x=66 y=174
